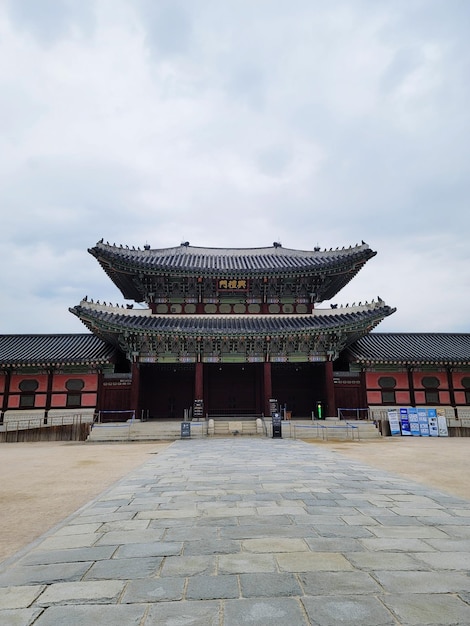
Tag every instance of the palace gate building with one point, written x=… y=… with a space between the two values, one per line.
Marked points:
x=224 y=332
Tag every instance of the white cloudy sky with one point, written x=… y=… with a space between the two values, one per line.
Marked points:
x=235 y=123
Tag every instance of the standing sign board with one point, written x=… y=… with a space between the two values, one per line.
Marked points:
x=432 y=421
x=423 y=422
x=277 y=426
x=442 y=424
x=414 y=422
x=394 y=422
x=405 y=422
x=198 y=409
x=185 y=430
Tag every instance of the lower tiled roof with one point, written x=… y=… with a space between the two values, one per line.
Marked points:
x=412 y=348
x=110 y=319
x=63 y=349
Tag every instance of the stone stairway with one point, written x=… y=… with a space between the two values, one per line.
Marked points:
x=144 y=431
x=234 y=428
x=161 y=430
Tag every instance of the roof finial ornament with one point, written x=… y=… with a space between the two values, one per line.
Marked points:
x=277 y=244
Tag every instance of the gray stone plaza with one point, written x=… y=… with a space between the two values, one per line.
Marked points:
x=270 y=532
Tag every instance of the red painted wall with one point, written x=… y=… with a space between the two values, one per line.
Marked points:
x=441 y=376
x=402 y=397
x=17 y=378
x=372 y=379
x=59 y=381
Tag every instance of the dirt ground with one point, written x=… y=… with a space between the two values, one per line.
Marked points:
x=43 y=483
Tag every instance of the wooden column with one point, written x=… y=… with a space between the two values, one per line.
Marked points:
x=6 y=393
x=411 y=386
x=450 y=384
x=267 y=386
x=135 y=389
x=199 y=382
x=99 y=389
x=329 y=390
x=50 y=378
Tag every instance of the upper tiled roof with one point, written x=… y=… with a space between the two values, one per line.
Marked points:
x=272 y=259
x=122 y=264
x=412 y=348
x=102 y=318
x=61 y=350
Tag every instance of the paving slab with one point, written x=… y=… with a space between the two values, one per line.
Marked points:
x=225 y=532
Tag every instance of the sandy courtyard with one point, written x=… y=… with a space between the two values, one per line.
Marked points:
x=43 y=483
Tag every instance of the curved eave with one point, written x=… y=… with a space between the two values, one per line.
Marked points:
x=411 y=363
x=122 y=264
x=107 y=324
x=53 y=351
x=412 y=350
x=7 y=365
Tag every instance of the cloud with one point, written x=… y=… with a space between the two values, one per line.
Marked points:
x=236 y=125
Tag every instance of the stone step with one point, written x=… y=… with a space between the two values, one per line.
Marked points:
x=171 y=430
x=234 y=428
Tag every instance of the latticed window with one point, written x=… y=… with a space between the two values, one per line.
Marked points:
x=387 y=385
x=74 y=388
x=28 y=395
x=466 y=386
x=431 y=391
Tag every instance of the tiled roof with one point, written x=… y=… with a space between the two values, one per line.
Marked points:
x=338 y=266
x=412 y=348
x=43 y=350
x=216 y=260
x=115 y=320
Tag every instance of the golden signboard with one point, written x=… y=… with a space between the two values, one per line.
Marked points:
x=232 y=284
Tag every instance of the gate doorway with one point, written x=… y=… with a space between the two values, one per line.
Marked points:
x=233 y=388
x=166 y=390
x=298 y=386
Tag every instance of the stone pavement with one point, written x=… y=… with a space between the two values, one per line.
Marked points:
x=270 y=532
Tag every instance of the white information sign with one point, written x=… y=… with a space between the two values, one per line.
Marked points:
x=394 y=422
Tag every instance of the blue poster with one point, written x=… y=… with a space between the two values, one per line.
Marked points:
x=432 y=421
x=405 y=422
x=414 y=422
x=423 y=422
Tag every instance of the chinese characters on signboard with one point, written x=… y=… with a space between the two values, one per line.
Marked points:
x=232 y=284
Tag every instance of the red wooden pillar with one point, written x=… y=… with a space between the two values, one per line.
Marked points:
x=6 y=393
x=50 y=379
x=135 y=389
x=268 y=387
x=99 y=389
x=411 y=386
x=199 y=382
x=450 y=384
x=330 y=390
